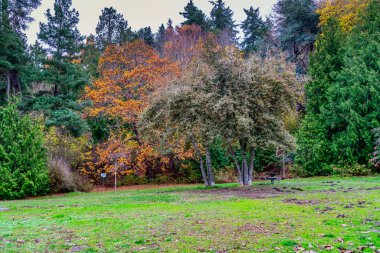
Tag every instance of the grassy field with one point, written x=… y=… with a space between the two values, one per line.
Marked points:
x=306 y=215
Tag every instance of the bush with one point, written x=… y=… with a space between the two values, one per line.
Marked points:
x=63 y=179
x=352 y=170
x=227 y=175
x=23 y=159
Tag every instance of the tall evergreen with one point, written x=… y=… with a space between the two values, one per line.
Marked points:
x=112 y=28
x=14 y=19
x=63 y=73
x=194 y=16
x=297 y=27
x=159 y=39
x=254 y=29
x=343 y=96
x=222 y=21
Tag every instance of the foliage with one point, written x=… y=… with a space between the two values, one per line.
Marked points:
x=297 y=26
x=222 y=22
x=23 y=166
x=352 y=170
x=254 y=29
x=194 y=16
x=346 y=12
x=112 y=28
x=343 y=96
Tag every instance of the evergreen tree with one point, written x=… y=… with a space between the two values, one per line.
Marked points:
x=160 y=39
x=112 y=28
x=23 y=158
x=90 y=56
x=194 y=16
x=170 y=24
x=343 y=95
x=222 y=22
x=146 y=35
x=14 y=18
x=254 y=29
x=63 y=73
x=297 y=26
x=16 y=14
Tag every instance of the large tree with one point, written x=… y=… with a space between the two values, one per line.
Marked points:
x=194 y=16
x=344 y=95
x=14 y=19
x=222 y=22
x=64 y=76
x=112 y=28
x=254 y=29
x=297 y=26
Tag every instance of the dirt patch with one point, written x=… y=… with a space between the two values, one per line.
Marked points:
x=300 y=202
x=246 y=192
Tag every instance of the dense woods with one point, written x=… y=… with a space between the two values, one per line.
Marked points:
x=297 y=92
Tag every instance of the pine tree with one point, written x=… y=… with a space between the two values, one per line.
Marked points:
x=222 y=22
x=14 y=19
x=146 y=35
x=159 y=39
x=254 y=29
x=63 y=73
x=112 y=28
x=297 y=26
x=170 y=24
x=194 y=16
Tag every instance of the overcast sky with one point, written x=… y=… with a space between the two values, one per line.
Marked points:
x=141 y=13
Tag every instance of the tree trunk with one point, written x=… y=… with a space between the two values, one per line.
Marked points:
x=201 y=163
x=137 y=134
x=251 y=167
x=238 y=168
x=210 y=173
x=245 y=170
x=8 y=86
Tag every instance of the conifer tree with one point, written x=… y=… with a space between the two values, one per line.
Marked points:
x=194 y=16
x=254 y=29
x=112 y=28
x=222 y=22
x=63 y=73
x=145 y=34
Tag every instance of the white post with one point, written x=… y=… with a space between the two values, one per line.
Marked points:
x=115 y=177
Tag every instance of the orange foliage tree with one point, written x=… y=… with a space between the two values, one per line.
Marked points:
x=128 y=75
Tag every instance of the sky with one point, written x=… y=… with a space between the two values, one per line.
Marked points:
x=141 y=13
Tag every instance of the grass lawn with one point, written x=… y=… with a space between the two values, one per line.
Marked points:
x=316 y=215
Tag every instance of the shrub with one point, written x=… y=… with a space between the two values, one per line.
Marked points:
x=62 y=179
x=352 y=170
x=227 y=175
x=23 y=159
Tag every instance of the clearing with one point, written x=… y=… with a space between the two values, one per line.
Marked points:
x=300 y=215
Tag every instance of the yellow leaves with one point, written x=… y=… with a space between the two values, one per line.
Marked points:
x=346 y=11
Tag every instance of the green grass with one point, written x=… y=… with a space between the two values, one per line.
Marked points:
x=343 y=214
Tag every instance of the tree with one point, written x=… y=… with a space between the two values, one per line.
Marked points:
x=343 y=96
x=16 y=14
x=22 y=156
x=297 y=26
x=346 y=12
x=62 y=70
x=224 y=95
x=222 y=22
x=112 y=28
x=254 y=29
x=14 y=19
x=194 y=16
x=184 y=44
x=145 y=34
